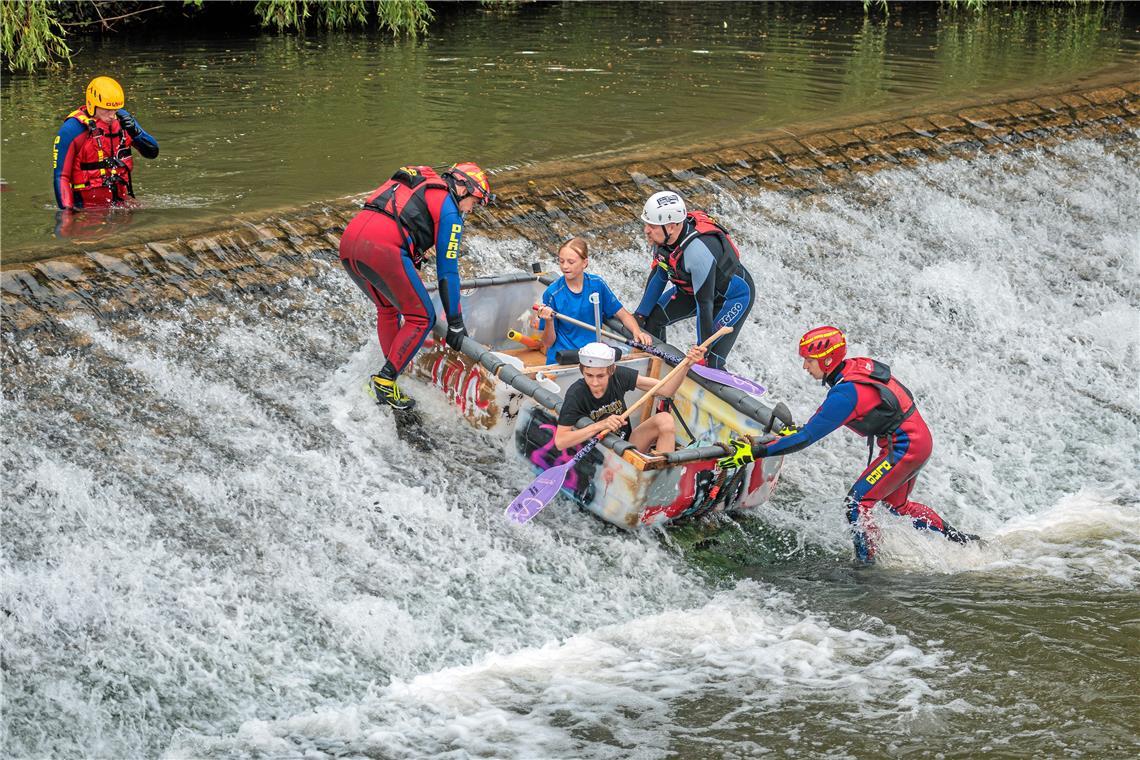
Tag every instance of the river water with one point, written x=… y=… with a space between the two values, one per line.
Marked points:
x=216 y=546
x=247 y=125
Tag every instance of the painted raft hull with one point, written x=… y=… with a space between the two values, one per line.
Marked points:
x=615 y=482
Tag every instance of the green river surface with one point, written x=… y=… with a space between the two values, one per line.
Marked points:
x=249 y=125
x=214 y=546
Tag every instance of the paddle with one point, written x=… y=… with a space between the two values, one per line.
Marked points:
x=716 y=375
x=545 y=487
x=528 y=341
x=597 y=301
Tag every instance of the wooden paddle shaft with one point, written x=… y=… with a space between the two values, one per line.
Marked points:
x=682 y=367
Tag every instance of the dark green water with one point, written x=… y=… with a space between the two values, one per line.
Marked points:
x=1041 y=666
x=248 y=125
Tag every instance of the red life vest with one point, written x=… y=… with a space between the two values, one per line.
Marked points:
x=102 y=170
x=895 y=405
x=402 y=199
x=699 y=224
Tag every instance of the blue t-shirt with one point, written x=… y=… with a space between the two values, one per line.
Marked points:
x=577 y=305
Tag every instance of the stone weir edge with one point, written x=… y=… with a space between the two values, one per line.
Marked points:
x=549 y=202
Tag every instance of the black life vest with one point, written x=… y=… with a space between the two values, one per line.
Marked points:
x=402 y=199
x=698 y=224
x=896 y=403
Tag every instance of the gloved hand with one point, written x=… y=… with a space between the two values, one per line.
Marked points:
x=129 y=124
x=456 y=332
x=742 y=455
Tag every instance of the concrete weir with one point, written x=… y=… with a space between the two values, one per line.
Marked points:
x=548 y=202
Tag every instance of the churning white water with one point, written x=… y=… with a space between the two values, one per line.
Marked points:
x=215 y=545
x=1005 y=292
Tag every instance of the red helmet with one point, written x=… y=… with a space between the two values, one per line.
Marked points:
x=473 y=178
x=827 y=345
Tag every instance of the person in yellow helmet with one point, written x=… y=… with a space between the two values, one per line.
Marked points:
x=93 y=163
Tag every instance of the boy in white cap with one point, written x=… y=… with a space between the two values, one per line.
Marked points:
x=600 y=395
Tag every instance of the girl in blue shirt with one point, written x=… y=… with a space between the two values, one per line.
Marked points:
x=570 y=295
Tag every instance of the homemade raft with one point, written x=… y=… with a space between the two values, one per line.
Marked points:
x=506 y=388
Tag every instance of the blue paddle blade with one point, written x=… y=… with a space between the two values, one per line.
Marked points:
x=538 y=494
x=729 y=379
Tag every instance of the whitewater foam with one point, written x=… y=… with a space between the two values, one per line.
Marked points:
x=613 y=691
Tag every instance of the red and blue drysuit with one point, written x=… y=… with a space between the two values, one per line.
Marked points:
x=704 y=277
x=868 y=400
x=93 y=162
x=383 y=247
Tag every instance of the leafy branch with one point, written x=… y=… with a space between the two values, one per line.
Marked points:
x=409 y=17
x=35 y=34
x=31 y=35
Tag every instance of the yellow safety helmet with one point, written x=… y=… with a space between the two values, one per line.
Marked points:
x=104 y=92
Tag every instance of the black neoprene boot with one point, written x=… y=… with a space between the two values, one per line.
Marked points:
x=386 y=391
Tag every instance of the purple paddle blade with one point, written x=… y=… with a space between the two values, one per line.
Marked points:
x=538 y=494
x=716 y=375
x=545 y=487
x=729 y=379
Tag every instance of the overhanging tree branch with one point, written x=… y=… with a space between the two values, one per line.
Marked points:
x=106 y=22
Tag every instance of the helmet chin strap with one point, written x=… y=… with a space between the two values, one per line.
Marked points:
x=829 y=374
x=665 y=235
x=454 y=186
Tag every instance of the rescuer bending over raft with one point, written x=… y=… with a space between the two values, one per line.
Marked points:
x=869 y=400
x=383 y=247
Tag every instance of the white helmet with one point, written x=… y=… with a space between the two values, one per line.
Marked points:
x=665 y=207
x=596 y=355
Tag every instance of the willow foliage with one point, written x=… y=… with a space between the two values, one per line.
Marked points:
x=400 y=16
x=970 y=5
x=31 y=35
x=35 y=32
x=397 y=16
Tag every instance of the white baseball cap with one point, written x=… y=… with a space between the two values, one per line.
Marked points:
x=596 y=355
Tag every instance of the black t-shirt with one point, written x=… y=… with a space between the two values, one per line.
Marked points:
x=581 y=403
